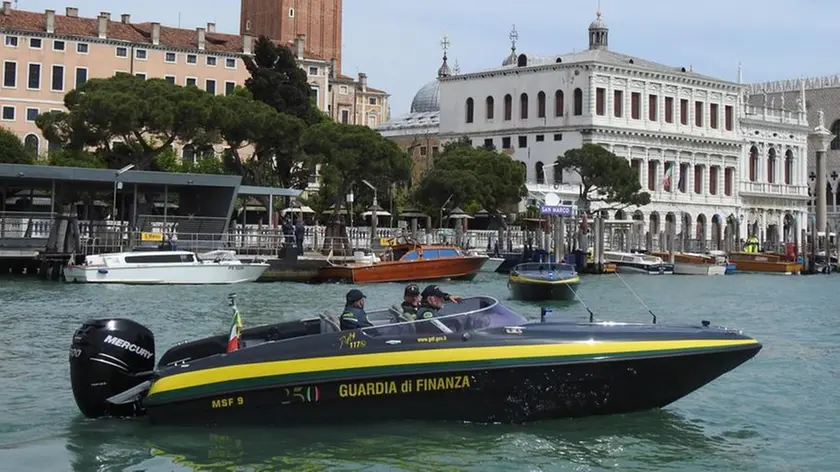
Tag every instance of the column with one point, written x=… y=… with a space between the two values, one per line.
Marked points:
x=821 y=138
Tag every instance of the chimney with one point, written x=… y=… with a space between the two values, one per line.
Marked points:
x=300 y=43
x=102 y=22
x=106 y=14
x=156 y=33
x=7 y=8
x=247 y=44
x=332 y=68
x=71 y=12
x=200 y=32
x=50 y=27
x=126 y=18
x=363 y=80
x=211 y=27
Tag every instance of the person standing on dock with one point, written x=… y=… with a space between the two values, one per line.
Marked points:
x=354 y=315
x=300 y=230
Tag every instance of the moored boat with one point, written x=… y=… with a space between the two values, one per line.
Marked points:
x=543 y=281
x=164 y=268
x=686 y=263
x=477 y=361
x=764 y=262
x=638 y=263
x=406 y=261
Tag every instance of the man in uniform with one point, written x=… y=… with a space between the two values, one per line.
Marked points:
x=411 y=302
x=432 y=300
x=354 y=315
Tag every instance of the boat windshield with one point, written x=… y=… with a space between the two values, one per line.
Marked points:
x=544 y=267
x=469 y=315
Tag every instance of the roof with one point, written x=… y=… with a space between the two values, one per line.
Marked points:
x=266 y=191
x=412 y=121
x=81 y=174
x=427 y=99
x=137 y=33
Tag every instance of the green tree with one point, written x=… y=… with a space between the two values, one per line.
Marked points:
x=349 y=154
x=264 y=146
x=12 y=150
x=278 y=81
x=471 y=175
x=144 y=116
x=605 y=178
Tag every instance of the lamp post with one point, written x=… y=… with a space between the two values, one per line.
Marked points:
x=442 y=207
x=118 y=184
x=373 y=219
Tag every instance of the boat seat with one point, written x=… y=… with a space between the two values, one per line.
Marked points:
x=328 y=324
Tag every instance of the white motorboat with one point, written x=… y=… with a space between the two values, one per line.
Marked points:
x=700 y=264
x=492 y=263
x=164 y=267
x=637 y=263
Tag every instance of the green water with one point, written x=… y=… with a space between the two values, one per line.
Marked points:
x=777 y=412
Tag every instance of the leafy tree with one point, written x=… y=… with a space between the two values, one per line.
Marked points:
x=605 y=177
x=349 y=154
x=76 y=158
x=144 y=116
x=471 y=175
x=278 y=81
x=12 y=150
x=168 y=161
x=264 y=145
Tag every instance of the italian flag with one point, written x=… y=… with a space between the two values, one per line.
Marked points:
x=235 y=331
x=669 y=177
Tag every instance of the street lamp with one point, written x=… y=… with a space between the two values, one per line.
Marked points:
x=373 y=220
x=444 y=206
x=118 y=184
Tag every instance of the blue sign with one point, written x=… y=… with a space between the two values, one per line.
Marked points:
x=556 y=210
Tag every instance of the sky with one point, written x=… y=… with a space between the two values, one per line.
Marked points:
x=397 y=42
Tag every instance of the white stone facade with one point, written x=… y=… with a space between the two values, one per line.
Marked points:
x=536 y=108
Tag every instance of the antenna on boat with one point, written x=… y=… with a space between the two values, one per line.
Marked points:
x=637 y=297
x=591 y=315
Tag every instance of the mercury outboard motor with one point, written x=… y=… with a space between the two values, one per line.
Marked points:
x=109 y=357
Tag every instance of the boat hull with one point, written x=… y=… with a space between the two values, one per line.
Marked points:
x=455 y=268
x=538 y=389
x=177 y=274
x=542 y=290
x=652 y=269
x=492 y=264
x=688 y=268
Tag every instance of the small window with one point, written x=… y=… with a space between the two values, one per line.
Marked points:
x=313 y=71
x=57 y=79
x=211 y=61
x=523 y=141
x=122 y=51
x=291 y=12
x=170 y=79
x=34 y=79
x=11 y=41
x=345 y=116
x=191 y=81
x=141 y=75
x=342 y=90
x=10 y=74
x=558 y=137
x=171 y=57
x=192 y=59
x=82 y=48
x=158 y=258
x=230 y=63
x=8 y=113
x=230 y=87
x=372 y=100
x=35 y=43
x=32 y=114
x=540 y=138
x=58 y=45
x=81 y=76
x=506 y=142
x=210 y=86
x=423 y=150
x=488 y=142
x=141 y=54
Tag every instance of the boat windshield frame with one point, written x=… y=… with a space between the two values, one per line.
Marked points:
x=546 y=266
x=481 y=313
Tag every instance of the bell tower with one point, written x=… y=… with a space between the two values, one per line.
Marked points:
x=598 y=33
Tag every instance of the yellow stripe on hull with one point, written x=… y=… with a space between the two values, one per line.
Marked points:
x=519 y=278
x=427 y=356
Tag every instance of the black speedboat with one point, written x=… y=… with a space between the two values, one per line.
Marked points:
x=479 y=361
x=543 y=281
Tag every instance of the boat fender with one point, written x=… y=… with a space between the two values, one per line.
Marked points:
x=465 y=337
x=706 y=323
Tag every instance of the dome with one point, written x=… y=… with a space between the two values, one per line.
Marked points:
x=427 y=98
x=510 y=60
x=598 y=24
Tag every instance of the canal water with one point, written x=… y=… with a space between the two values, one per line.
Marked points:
x=777 y=412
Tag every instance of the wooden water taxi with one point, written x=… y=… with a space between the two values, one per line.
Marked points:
x=688 y=263
x=407 y=260
x=764 y=262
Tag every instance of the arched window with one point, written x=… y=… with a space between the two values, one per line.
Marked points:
x=771 y=166
x=753 y=164
x=523 y=106
x=189 y=154
x=540 y=172
x=31 y=143
x=789 y=167
x=835 y=130
x=508 y=107
x=470 y=110
x=522 y=60
x=578 y=102
x=490 y=104
x=541 y=105
x=558 y=103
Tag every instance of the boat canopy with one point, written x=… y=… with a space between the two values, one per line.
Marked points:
x=471 y=314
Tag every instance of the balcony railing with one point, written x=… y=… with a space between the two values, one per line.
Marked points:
x=774 y=189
